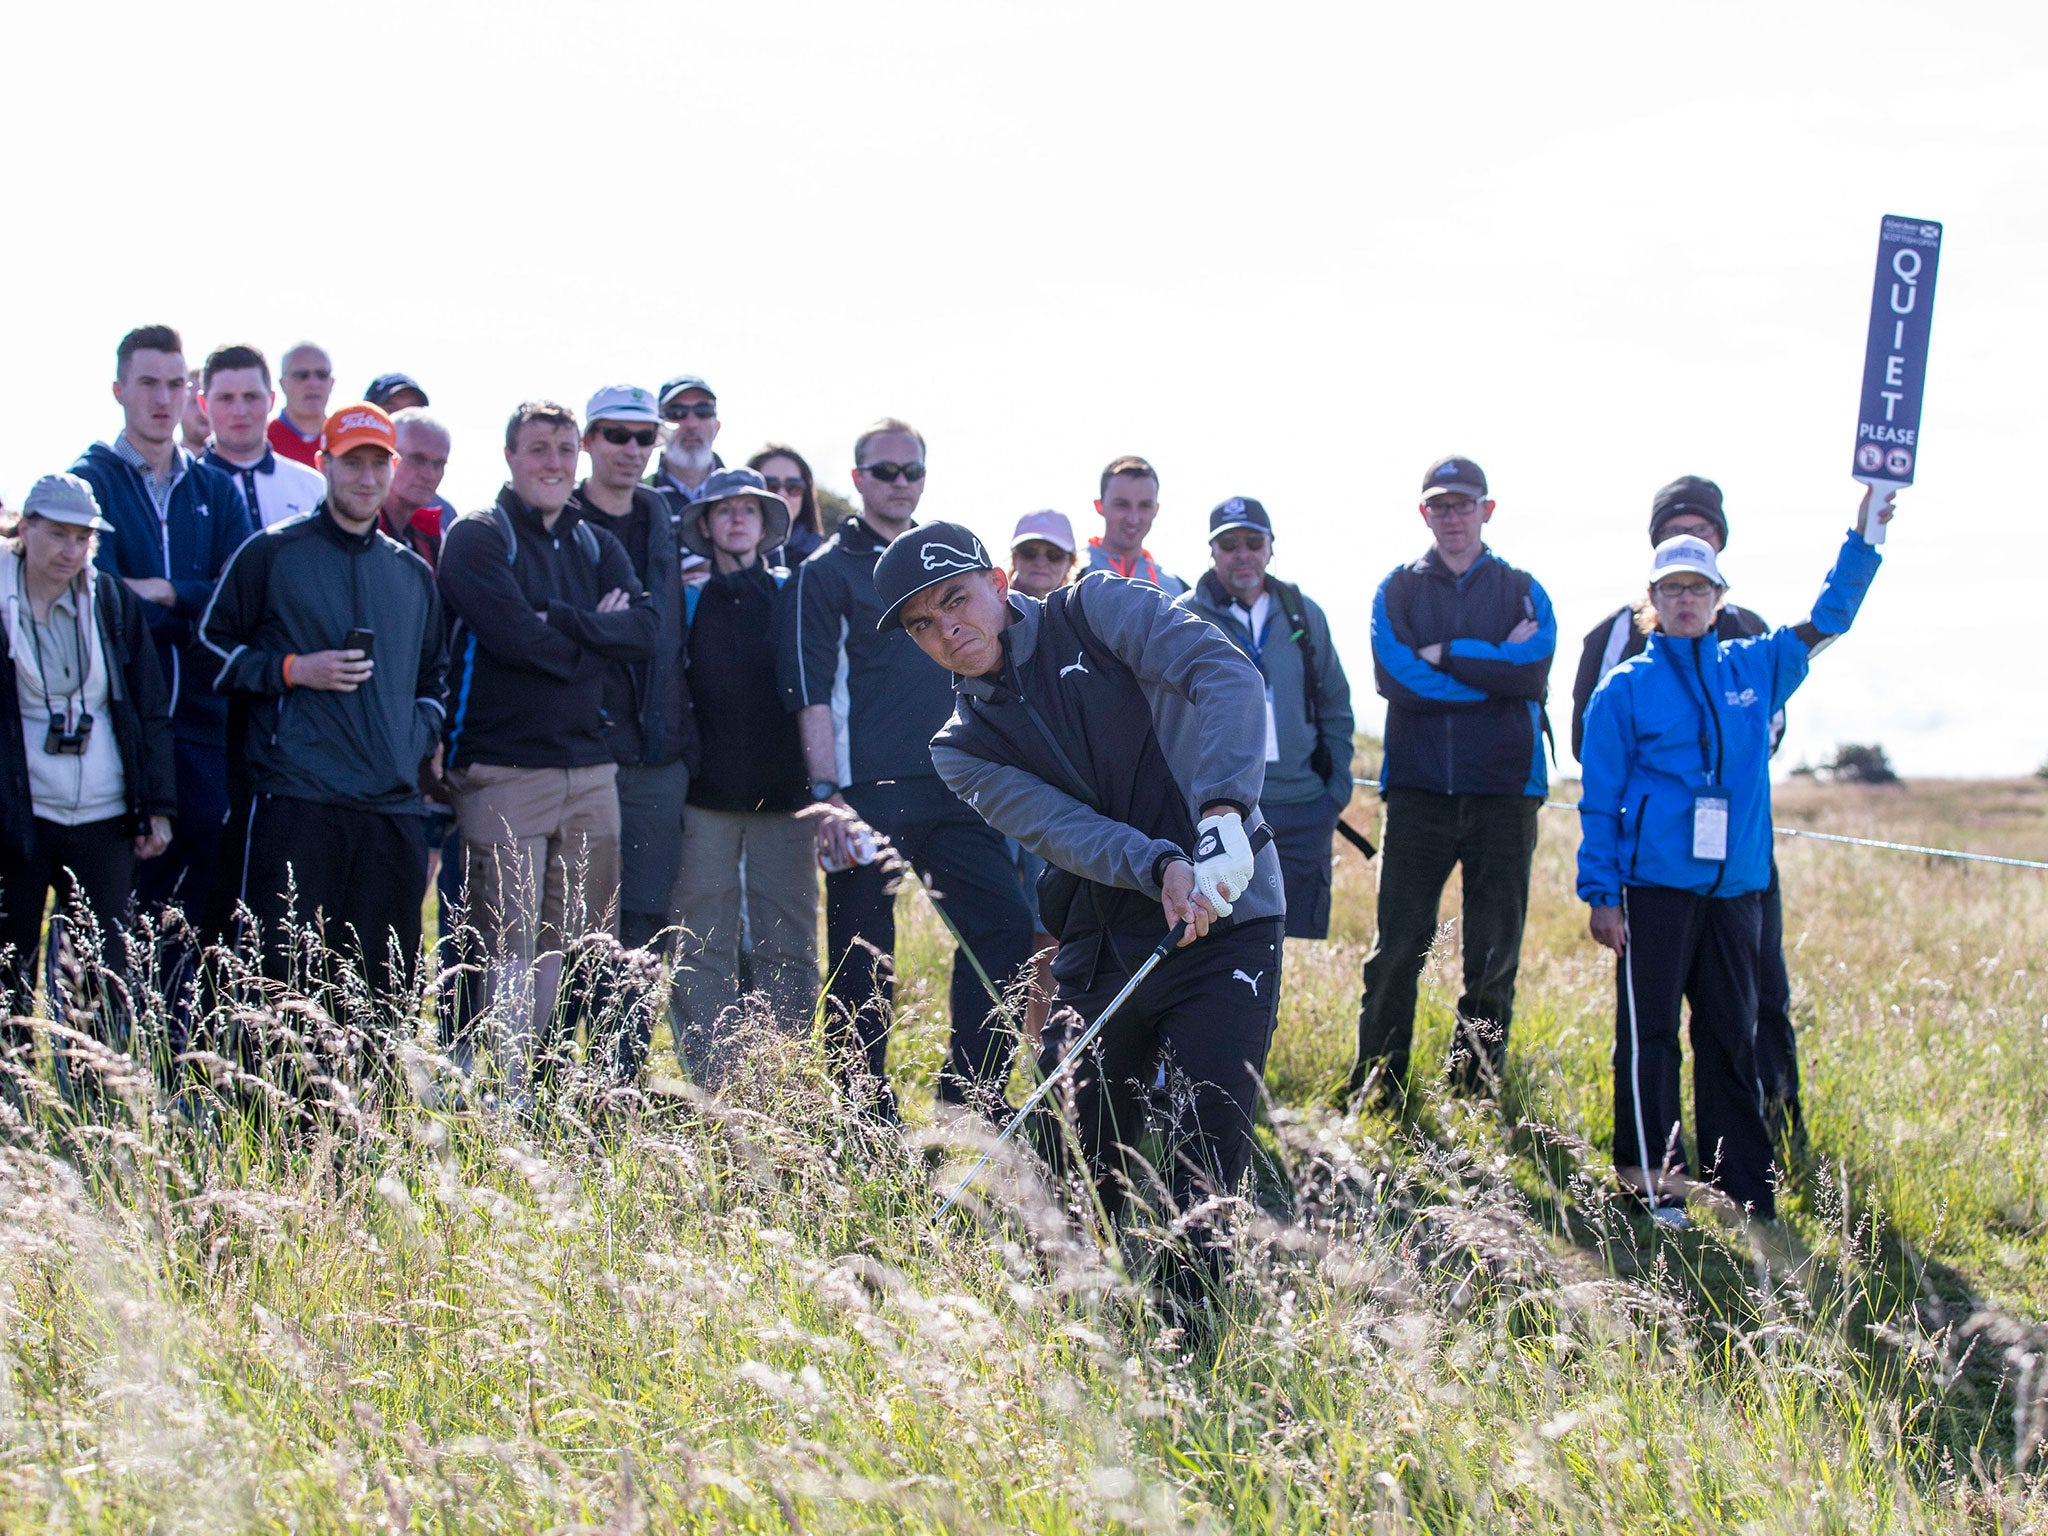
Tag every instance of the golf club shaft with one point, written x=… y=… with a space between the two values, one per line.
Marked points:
x=1260 y=836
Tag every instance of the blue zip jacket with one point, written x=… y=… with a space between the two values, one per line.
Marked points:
x=208 y=522
x=1473 y=723
x=1688 y=718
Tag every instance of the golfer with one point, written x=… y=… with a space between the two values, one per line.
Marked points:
x=1675 y=857
x=1121 y=739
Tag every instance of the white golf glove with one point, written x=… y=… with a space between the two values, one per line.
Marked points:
x=1223 y=856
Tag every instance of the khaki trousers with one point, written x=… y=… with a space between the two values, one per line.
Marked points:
x=541 y=858
x=769 y=860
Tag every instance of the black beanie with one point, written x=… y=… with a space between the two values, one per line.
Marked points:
x=1688 y=493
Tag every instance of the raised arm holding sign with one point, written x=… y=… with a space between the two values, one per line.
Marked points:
x=1895 y=357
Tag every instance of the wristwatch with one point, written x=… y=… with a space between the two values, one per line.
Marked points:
x=823 y=789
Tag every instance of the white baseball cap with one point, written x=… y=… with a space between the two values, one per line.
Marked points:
x=1685 y=553
x=623 y=402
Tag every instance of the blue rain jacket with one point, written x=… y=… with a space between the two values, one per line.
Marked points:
x=1689 y=718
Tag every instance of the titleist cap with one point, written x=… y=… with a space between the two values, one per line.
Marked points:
x=923 y=557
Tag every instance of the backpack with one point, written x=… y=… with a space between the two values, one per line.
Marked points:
x=1288 y=596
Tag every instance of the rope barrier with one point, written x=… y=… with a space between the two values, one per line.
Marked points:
x=1836 y=837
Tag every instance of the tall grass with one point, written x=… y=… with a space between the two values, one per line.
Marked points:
x=651 y=1310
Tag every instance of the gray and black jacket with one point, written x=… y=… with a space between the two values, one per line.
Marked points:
x=1312 y=720
x=1115 y=719
x=300 y=587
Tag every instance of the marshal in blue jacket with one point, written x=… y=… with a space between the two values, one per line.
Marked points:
x=1688 y=718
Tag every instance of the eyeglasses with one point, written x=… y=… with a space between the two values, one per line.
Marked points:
x=309 y=373
x=1684 y=588
x=618 y=437
x=703 y=410
x=887 y=473
x=794 y=485
x=1231 y=543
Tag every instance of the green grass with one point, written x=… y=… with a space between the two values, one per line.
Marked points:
x=673 y=1314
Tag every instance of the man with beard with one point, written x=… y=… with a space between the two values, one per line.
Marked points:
x=866 y=705
x=1285 y=634
x=236 y=386
x=333 y=635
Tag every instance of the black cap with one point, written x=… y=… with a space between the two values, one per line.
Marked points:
x=385 y=385
x=923 y=557
x=1688 y=494
x=678 y=384
x=1454 y=475
x=1240 y=512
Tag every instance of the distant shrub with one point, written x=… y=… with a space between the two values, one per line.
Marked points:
x=1855 y=764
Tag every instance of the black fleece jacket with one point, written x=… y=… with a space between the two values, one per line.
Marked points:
x=529 y=647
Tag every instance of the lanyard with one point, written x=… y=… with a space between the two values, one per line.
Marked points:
x=1710 y=723
x=73 y=702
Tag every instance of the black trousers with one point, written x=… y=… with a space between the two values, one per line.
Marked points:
x=1702 y=951
x=93 y=866
x=1426 y=835
x=357 y=876
x=1208 y=1011
x=967 y=868
x=1301 y=836
x=1777 y=1052
x=183 y=875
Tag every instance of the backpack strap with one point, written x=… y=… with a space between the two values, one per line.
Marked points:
x=690 y=595
x=506 y=531
x=586 y=540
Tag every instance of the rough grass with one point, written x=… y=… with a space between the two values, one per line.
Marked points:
x=663 y=1313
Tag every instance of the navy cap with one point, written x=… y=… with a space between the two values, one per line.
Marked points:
x=1459 y=477
x=681 y=382
x=385 y=385
x=1688 y=495
x=923 y=557
x=1240 y=512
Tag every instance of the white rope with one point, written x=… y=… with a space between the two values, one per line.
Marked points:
x=1836 y=837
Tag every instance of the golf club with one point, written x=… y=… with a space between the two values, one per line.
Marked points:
x=1260 y=836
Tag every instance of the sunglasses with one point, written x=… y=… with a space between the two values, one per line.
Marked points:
x=703 y=410
x=794 y=485
x=1231 y=543
x=887 y=473
x=618 y=437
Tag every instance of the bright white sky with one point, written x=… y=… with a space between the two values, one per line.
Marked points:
x=1287 y=252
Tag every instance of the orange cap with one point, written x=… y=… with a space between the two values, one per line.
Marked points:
x=354 y=425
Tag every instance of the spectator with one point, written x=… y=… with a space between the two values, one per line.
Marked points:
x=542 y=603
x=648 y=723
x=333 y=635
x=1308 y=701
x=1693 y=507
x=1041 y=562
x=395 y=392
x=687 y=459
x=1461 y=645
x=308 y=381
x=867 y=706
x=195 y=428
x=788 y=474
x=1128 y=499
x=744 y=795
x=236 y=385
x=1166 y=717
x=175 y=522
x=414 y=513
x=1675 y=855
x=85 y=745
x=1041 y=554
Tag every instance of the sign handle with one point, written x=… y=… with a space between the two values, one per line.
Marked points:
x=1879 y=489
